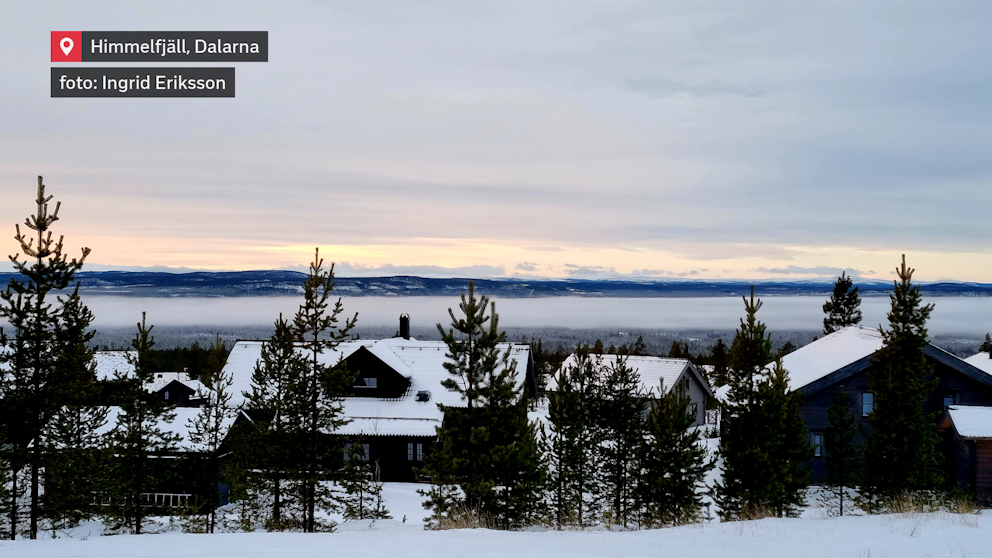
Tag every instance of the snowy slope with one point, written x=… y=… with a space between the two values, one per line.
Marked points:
x=914 y=535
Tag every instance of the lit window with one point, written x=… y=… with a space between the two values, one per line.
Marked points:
x=867 y=403
x=817 y=445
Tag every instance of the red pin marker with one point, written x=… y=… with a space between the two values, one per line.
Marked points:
x=67 y=46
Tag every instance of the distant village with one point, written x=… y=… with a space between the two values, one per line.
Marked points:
x=301 y=430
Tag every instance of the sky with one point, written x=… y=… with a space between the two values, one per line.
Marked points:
x=710 y=139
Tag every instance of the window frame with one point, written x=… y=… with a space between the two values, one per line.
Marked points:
x=871 y=404
x=817 y=440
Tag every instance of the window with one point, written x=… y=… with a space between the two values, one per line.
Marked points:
x=685 y=386
x=166 y=395
x=949 y=399
x=366 y=382
x=817 y=445
x=693 y=410
x=415 y=452
x=867 y=403
x=365 y=452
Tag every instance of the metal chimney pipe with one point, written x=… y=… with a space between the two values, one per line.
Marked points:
x=405 y=326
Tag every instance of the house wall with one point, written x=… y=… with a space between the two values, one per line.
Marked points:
x=391 y=453
x=815 y=405
x=983 y=471
x=697 y=395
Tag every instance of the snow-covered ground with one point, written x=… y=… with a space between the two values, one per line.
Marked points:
x=924 y=535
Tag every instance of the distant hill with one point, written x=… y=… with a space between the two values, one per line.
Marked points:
x=287 y=283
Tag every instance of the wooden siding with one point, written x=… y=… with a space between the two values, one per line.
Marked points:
x=390 y=384
x=968 y=391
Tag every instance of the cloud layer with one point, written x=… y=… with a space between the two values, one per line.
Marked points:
x=757 y=138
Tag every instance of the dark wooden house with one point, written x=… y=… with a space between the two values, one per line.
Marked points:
x=967 y=435
x=392 y=407
x=844 y=358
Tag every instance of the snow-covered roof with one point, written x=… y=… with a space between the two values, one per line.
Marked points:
x=109 y=363
x=180 y=426
x=971 y=422
x=163 y=379
x=658 y=375
x=829 y=354
x=422 y=362
x=981 y=361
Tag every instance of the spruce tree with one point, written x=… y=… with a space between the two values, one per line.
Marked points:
x=763 y=441
x=269 y=449
x=900 y=454
x=571 y=441
x=26 y=304
x=208 y=430
x=673 y=463
x=840 y=451
x=138 y=438
x=319 y=389
x=489 y=447
x=74 y=464
x=843 y=308
x=621 y=407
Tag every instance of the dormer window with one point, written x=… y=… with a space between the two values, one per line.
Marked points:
x=166 y=395
x=366 y=383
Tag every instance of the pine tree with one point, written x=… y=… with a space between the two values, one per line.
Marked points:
x=639 y=348
x=623 y=402
x=841 y=451
x=672 y=465
x=842 y=309
x=26 y=306
x=137 y=439
x=208 y=429
x=986 y=345
x=489 y=447
x=571 y=441
x=763 y=442
x=900 y=454
x=362 y=484
x=75 y=459
x=720 y=359
x=319 y=389
x=269 y=449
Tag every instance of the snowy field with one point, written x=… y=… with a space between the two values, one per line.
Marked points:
x=910 y=535
x=930 y=535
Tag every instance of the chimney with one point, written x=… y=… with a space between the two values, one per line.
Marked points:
x=405 y=326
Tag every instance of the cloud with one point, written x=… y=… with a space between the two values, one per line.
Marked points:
x=819 y=270
x=526 y=266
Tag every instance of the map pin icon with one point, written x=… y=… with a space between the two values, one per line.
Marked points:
x=66 y=45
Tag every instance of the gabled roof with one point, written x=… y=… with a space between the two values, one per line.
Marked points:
x=163 y=379
x=180 y=426
x=420 y=361
x=848 y=351
x=658 y=374
x=969 y=422
x=981 y=361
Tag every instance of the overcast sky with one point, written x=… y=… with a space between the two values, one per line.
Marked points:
x=586 y=139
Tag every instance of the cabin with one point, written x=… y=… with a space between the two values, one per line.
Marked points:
x=658 y=376
x=844 y=358
x=175 y=387
x=392 y=407
x=967 y=433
